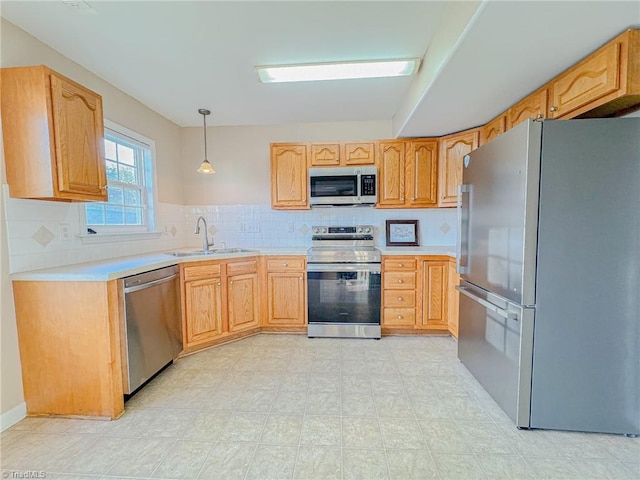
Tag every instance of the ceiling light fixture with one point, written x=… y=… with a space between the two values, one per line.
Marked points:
x=205 y=166
x=338 y=71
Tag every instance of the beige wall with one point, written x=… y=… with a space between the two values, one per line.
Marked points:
x=17 y=48
x=240 y=156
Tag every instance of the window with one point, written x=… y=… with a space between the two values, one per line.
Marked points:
x=129 y=162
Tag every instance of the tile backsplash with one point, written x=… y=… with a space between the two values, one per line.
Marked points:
x=44 y=234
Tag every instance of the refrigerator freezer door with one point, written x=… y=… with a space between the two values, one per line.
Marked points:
x=499 y=207
x=586 y=364
x=495 y=344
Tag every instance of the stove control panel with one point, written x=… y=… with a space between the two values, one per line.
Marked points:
x=353 y=230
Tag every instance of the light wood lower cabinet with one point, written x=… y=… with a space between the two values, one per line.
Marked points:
x=285 y=297
x=203 y=308
x=435 y=290
x=243 y=302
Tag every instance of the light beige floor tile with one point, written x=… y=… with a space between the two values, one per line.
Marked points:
x=206 y=426
x=243 y=427
x=228 y=461
x=294 y=381
x=356 y=404
x=356 y=384
x=395 y=406
x=601 y=469
x=361 y=432
x=354 y=367
x=411 y=464
x=282 y=430
x=467 y=409
x=256 y=401
x=142 y=457
x=171 y=423
x=100 y=457
x=364 y=464
x=290 y=401
x=324 y=383
x=486 y=438
x=444 y=437
x=51 y=453
x=553 y=468
x=458 y=467
x=386 y=385
x=184 y=460
x=321 y=430
x=401 y=433
x=224 y=399
x=318 y=463
x=323 y=403
x=44 y=425
x=133 y=423
x=531 y=443
x=273 y=462
x=504 y=467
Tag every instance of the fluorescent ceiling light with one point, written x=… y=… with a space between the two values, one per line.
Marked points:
x=337 y=71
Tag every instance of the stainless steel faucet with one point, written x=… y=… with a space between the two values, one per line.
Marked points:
x=205 y=240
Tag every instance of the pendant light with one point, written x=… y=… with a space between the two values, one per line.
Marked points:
x=205 y=166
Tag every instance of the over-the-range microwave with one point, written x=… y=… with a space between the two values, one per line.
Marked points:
x=343 y=186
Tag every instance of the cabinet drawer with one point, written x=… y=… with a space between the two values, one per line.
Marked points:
x=285 y=264
x=399 y=317
x=400 y=263
x=200 y=272
x=247 y=266
x=399 y=280
x=400 y=298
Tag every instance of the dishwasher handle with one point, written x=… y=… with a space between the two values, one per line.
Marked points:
x=150 y=284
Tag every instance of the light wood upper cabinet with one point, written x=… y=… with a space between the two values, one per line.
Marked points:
x=53 y=135
x=289 y=176
x=435 y=288
x=391 y=173
x=286 y=293
x=610 y=73
x=341 y=154
x=242 y=291
x=422 y=173
x=359 y=153
x=492 y=129
x=532 y=106
x=453 y=148
x=324 y=155
x=203 y=308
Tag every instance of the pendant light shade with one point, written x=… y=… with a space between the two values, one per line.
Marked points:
x=205 y=166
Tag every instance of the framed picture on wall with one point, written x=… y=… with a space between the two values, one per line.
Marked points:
x=402 y=233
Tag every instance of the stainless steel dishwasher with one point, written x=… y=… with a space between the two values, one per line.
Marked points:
x=153 y=324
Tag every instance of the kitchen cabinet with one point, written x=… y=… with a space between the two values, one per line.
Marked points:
x=289 y=176
x=452 y=150
x=453 y=299
x=286 y=293
x=435 y=292
x=242 y=291
x=610 y=73
x=492 y=129
x=202 y=293
x=532 y=106
x=399 y=292
x=341 y=154
x=53 y=136
x=71 y=340
x=391 y=173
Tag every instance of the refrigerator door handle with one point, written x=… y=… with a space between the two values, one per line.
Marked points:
x=488 y=305
x=461 y=258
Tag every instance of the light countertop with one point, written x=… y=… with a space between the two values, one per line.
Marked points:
x=121 y=267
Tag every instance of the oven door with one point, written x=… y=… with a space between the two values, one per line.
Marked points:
x=343 y=293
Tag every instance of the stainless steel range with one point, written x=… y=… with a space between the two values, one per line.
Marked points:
x=343 y=283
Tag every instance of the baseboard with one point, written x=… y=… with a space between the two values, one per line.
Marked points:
x=13 y=416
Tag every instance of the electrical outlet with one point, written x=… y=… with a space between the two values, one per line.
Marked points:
x=290 y=227
x=252 y=227
x=64 y=232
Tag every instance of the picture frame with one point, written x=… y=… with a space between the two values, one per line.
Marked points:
x=402 y=233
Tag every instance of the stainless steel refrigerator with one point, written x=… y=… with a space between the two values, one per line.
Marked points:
x=549 y=256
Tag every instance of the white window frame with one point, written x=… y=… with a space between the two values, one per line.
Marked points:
x=107 y=233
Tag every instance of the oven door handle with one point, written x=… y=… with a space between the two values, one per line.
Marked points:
x=344 y=267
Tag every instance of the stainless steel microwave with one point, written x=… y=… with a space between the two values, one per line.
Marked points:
x=343 y=186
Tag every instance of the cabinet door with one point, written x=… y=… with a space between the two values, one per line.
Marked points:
x=452 y=295
x=422 y=173
x=78 y=130
x=242 y=292
x=435 y=288
x=596 y=77
x=391 y=157
x=286 y=299
x=453 y=148
x=289 y=176
x=533 y=106
x=324 y=155
x=492 y=129
x=359 y=153
x=203 y=310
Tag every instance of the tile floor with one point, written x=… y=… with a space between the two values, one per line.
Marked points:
x=284 y=406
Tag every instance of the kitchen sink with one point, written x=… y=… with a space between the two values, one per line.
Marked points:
x=216 y=251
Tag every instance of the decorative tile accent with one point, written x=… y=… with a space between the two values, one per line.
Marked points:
x=173 y=230
x=212 y=230
x=445 y=228
x=304 y=229
x=43 y=236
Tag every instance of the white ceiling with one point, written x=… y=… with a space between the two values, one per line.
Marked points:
x=178 y=56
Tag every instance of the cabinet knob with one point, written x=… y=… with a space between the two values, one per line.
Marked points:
x=402 y=198
x=401 y=265
x=218 y=283
x=300 y=277
x=399 y=317
x=413 y=199
x=285 y=264
x=231 y=282
x=442 y=197
x=554 y=108
x=399 y=299
x=400 y=281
